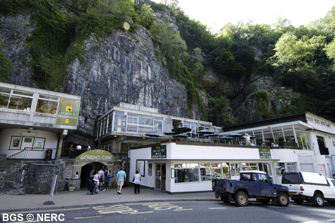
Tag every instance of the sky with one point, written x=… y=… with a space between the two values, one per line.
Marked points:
x=216 y=13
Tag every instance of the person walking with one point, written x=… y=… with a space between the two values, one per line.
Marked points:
x=106 y=180
x=120 y=178
x=101 y=179
x=137 y=181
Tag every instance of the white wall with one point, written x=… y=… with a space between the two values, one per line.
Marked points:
x=210 y=152
x=193 y=153
x=51 y=142
x=141 y=154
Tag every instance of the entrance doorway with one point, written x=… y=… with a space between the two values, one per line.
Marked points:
x=85 y=172
x=266 y=167
x=160 y=176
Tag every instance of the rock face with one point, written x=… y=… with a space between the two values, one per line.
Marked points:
x=14 y=31
x=244 y=105
x=123 y=68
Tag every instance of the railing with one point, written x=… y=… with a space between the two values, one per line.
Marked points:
x=4 y=161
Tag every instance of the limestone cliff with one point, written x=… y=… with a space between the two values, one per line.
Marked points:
x=121 y=67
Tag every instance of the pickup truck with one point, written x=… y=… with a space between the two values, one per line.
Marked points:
x=312 y=187
x=252 y=184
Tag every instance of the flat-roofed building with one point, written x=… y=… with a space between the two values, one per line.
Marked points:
x=35 y=119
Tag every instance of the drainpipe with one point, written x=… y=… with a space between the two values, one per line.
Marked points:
x=37 y=164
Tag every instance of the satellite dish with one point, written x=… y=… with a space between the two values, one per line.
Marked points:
x=126 y=26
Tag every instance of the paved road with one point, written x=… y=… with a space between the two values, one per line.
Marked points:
x=175 y=212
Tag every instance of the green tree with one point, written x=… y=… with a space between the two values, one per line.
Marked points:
x=5 y=64
x=169 y=40
x=146 y=17
x=221 y=112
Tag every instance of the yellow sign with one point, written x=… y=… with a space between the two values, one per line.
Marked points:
x=96 y=155
x=68 y=108
x=68 y=112
x=126 y=26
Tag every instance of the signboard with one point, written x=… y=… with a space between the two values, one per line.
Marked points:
x=68 y=111
x=96 y=155
x=158 y=151
x=264 y=153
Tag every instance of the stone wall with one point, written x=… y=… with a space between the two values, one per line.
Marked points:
x=31 y=177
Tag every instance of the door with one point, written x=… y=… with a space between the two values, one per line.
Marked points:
x=265 y=185
x=160 y=176
x=163 y=181
x=27 y=142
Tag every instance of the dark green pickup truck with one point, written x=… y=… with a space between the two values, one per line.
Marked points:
x=252 y=184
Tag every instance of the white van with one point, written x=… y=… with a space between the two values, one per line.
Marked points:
x=308 y=186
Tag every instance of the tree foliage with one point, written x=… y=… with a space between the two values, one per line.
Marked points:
x=5 y=65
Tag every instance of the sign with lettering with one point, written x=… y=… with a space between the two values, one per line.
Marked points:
x=68 y=112
x=96 y=155
x=264 y=153
x=158 y=151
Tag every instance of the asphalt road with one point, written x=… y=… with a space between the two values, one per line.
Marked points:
x=175 y=212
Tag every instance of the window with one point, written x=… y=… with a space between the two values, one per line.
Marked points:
x=19 y=100
x=186 y=172
x=119 y=122
x=263 y=178
x=245 y=177
x=291 y=167
x=209 y=171
x=249 y=166
x=47 y=104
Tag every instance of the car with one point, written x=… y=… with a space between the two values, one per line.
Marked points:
x=252 y=184
x=310 y=187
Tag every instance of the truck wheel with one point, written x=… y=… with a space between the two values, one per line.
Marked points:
x=298 y=201
x=241 y=199
x=225 y=199
x=283 y=200
x=318 y=200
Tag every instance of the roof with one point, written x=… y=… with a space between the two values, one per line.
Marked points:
x=252 y=171
x=265 y=122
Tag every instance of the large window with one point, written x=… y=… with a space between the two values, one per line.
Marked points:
x=47 y=104
x=120 y=122
x=14 y=99
x=186 y=172
x=209 y=171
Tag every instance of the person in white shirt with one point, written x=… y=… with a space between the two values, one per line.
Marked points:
x=88 y=147
x=137 y=181
x=78 y=149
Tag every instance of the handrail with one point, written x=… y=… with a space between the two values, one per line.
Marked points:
x=14 y=154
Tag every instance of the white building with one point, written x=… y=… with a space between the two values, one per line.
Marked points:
x=302 y=142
